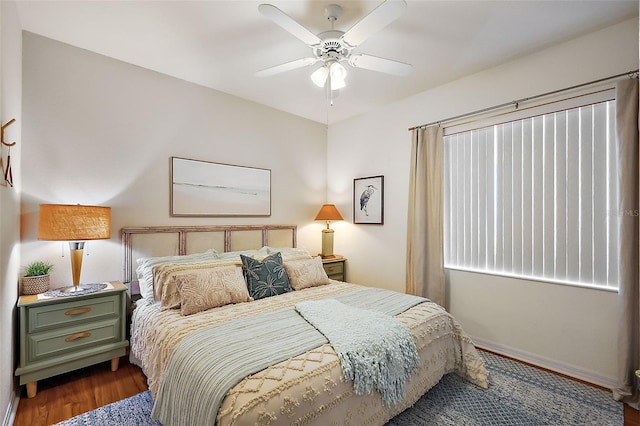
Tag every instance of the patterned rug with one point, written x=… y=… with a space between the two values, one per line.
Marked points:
x=517 y=395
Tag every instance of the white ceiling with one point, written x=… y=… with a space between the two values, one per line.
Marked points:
x=221 y=44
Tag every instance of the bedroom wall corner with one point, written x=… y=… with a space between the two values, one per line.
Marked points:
x=101 y=131
x=10 y=107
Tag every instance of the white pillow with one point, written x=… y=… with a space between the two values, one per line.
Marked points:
x=144 y=271
x=235 y=255
x=290 y=253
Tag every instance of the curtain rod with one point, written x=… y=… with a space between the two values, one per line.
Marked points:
x=631 y=74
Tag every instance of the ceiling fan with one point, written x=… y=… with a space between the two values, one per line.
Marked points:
x=334 y=47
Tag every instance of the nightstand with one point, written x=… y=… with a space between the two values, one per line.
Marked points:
x=335 y=267
x=62 y=334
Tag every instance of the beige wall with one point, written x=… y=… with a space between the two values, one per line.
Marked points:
x=561 y=327
x=10 y=107
x=100 y=131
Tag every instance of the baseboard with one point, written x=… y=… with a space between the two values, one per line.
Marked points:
x=550 y=364
x=12 y=409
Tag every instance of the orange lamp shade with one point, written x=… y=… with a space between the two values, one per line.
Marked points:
x=68 y=222
x=329 y=212
x=76 y=224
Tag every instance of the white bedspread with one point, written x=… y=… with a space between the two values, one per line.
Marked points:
x=309 y=388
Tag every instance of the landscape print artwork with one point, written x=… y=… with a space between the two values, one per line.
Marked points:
x=203 y=188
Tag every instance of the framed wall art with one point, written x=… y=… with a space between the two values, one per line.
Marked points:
x=203 y=188
x=368 y=200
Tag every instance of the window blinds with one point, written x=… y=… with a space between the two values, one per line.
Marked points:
x=535 y=197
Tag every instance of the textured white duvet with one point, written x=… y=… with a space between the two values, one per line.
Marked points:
x=310 y=388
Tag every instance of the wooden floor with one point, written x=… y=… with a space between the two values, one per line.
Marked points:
x=65 y=396
x=62 y=397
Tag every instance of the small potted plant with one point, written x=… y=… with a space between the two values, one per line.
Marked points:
x=36 y=277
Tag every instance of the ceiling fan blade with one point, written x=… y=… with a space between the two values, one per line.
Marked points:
x=380 y=17
x=288 y=66
x=289 y=24
x=374 y=63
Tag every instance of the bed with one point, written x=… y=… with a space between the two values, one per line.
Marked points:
x=218 y=356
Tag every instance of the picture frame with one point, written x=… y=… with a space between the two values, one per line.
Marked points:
x=207 y=189
x=368 y=200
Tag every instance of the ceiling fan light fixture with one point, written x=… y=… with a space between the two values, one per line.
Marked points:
x=337 y=83
x=338 y=72
x=319 y=76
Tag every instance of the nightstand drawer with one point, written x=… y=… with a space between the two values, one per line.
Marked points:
x=72 y=339
x=334 y=268
x=72 y=312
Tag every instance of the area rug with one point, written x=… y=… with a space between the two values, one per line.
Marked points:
x=518 y=395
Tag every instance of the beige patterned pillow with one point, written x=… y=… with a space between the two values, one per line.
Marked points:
x=164 y=278
x=210 y=288
x=306 y=273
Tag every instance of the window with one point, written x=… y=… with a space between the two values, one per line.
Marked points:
x=531 y=197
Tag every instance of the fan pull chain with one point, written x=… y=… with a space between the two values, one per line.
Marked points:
x=327 y=88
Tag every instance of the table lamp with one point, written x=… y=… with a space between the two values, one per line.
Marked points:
x=76 y=224
x=328 y=212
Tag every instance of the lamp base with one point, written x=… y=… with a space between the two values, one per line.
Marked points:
x=72 y=289
x=327 y=243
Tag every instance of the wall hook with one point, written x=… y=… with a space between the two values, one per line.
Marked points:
x=2 y=132
x=7 y=172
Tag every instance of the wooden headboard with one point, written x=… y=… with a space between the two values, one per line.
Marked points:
x=180 y=240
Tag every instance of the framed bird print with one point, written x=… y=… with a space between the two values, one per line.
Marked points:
x=368 y=200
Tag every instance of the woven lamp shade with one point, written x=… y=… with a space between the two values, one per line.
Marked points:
x=68 y=222
x=329 y=212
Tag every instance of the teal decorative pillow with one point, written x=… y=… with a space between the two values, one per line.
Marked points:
x=265 y=278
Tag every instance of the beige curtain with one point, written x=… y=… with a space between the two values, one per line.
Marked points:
x=629 y=293
x=425 y=261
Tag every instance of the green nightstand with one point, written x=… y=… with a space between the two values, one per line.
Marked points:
x=335 y=267
x=62 y=334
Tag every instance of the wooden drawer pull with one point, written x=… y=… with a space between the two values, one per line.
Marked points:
x=77 y=336
x=78 y=311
